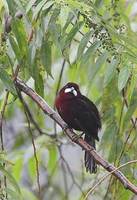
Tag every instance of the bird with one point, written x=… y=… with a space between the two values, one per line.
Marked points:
x=80 y=114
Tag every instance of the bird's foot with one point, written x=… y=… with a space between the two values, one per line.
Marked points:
x=76 y=137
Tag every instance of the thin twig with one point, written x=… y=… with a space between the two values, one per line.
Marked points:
x=33 y=143
x=32 y=119
x=52 y=114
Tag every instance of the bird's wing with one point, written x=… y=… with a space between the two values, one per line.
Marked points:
x=86 y=116
x=92 y=107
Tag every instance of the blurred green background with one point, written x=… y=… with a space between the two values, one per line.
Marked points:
x=47 y=43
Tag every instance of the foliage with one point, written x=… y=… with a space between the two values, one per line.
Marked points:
x=47 y=43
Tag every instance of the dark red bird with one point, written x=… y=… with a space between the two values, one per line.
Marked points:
x=80 y=114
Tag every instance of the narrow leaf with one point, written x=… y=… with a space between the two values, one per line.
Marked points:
x=15 y=48
x=131 y=108
x=68 y=21
x=38 y=8
x=21 y=37
x=30 y=4
x=54 y=16
x=39 y=84
x=90 y=51
x=123 y=78
x=83 y=44
x=52 y=158
x=110 y=71
x=71 y=34
x=99 y=63
x=55 y=31
x=4 y=76
x=46 y=56
x=10 y=178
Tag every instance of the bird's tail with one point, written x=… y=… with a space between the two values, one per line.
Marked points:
x=90 y=163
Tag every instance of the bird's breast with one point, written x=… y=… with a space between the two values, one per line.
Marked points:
x=66 y=111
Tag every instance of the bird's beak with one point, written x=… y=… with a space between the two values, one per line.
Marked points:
x=72 y=90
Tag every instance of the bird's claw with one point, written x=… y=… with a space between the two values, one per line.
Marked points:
x=76 y=137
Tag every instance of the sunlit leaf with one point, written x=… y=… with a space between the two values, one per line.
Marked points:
x=17 y=169
x=32 y=168
x=52 y=158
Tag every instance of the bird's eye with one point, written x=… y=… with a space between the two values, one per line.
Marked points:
x=71 y=90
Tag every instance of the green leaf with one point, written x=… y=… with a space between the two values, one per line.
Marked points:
x=21 y=37
x=90 y=51
x=27 y=194
x=30 y=4
x=54 y=16
x=123 y=77
x=11 y=6
x=15 y=48
x=32 y=168
x=39 y=84
x=68 y=21
x=46 y=56
x=38 y=8
x=83 y=44
x=55 y=32
x=17 y=169
x=32 y=53
x=52 y=158
x=71 y=34
x=110 y=71
x=7 y=81
x=10 y=178
x=131 y=108
x=13 y=195
x=99 y=3
x=99 y=63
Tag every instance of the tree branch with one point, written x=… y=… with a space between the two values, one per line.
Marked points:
x=52 y=114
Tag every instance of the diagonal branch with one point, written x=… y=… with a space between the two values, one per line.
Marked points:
x=52 y=114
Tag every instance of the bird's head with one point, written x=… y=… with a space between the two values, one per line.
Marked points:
x=70 y=90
